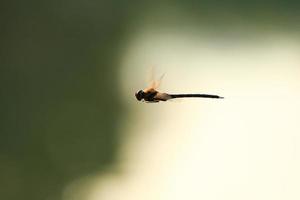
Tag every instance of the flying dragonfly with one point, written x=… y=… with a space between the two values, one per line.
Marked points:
x=151 y=95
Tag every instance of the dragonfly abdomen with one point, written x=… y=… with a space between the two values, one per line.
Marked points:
x=195 y=95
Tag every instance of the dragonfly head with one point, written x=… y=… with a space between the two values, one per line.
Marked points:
x=139 y=95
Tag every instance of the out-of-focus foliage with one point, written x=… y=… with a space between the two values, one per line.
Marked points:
x=59 y=95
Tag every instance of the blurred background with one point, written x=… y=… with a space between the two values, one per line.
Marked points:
x=71 y=128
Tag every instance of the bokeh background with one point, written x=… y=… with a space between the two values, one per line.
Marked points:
x=71 y=128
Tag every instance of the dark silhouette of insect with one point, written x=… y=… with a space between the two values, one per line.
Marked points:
x=151 y=95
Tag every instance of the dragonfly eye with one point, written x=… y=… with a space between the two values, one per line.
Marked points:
x=139 y=95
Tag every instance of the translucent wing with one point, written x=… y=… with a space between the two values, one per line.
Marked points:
x=158 y=82
x=150 y=76
x=153 y=84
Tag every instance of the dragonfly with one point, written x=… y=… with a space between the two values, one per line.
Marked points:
x=152 y=95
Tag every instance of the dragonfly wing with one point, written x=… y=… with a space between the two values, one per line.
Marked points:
x=152 y=82
x=158 y=82
x=150 y=78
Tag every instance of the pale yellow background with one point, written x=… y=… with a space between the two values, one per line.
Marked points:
x=245 y=146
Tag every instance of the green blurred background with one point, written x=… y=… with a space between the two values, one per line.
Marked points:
x=59 y=70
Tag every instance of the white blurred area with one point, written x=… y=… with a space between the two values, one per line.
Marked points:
x=246 y=146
